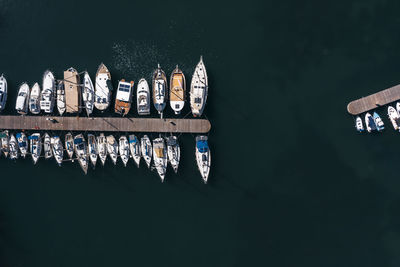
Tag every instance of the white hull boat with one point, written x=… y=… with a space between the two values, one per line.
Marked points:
x=112 y=148
x=92 y=147
x=359 y=125
x=103 y=88
x=160 y=157
x=61 y=102
x=69 y=145
x=22 y=144
x=102 y=148
x=88 y=94
x=134 y=146
x=159 y=89
x=177 y=91
x=174 y=152
x=5 y=143
x=378 y=122
x=57 y=149
x=394 y=117
x=47 y=97
x=34 y=99
x=35 y=146
x=124 y=149
x=22 y=102
x=143 y=97
x=199 y=89
x=203 y=156
x=81 y=152
x=147 y=150
x=13 y=148
x=369 y=123
x=3 y=92
x=47 y=146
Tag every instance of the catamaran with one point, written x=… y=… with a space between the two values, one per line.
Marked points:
x=61 y=102
x=102 y=148
x=123 y=97
x=359 y=125
x=92 y=149
x=88 y=93
x=22 y=143
x=81 y=152
x=4 y=142
x=203 y=156
x=47 y=146
x=57 y=149
x=3 y=92
x=22 y=102
x=124 y=149
x=177 y=90
x=174 y=152
x=48 y=92
x=199 y=89
x=35 y=146
x=134 y=146
x=103 y=88
x=369 y=122
x=13 y=148
x=378 y=122
x=160 y=157
x=145 y=145
x=69 y=145
x=394 y=117
x=34 y=99
x=143 y=97
x=159 y=89
x=112 y=148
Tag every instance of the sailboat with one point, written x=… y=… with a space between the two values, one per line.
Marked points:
x=92 y=147
x=174 y=152
x=13 y=148
x=81 y=152
x=378 y=122
x=177 y=90
x=124 y=149
x=112 y=148
x=4 y=142
x=35 y=146
x=123 y=98
x=145 y=145
x=47 y=146
x=203 y=156
x=143 y=97
x=69 y=145
x=102 y=148
x=61 y=102
x=103 y=88
x=160 y=157
x=199 y=89
x=22 y=143
x=47 y=97
x=88 y=93
x=73 y=92
x=3 y=92
x=159 y=89
x=34 y=99
x=22 y=102
x=134 y=146
x=57 y=149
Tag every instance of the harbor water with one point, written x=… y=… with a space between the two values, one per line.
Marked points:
x=291 y=181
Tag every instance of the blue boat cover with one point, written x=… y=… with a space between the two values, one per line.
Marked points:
x=18 y=135
x=22 y=143
x=202 y=146
x=77 y=141
x=134 y=140
x=33 y=137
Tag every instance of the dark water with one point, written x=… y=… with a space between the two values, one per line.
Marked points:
x=291 y=184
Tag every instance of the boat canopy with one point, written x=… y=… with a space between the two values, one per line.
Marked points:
x=33 y=137
x=23 y=143
x=18 y=135
x=133 y=140
x=202 y=146
x=77 y=141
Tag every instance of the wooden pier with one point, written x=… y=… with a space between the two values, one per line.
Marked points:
x=374 y=101
x=105 y=124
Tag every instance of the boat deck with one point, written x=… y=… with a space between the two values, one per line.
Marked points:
x=374 y=101
x=105 y=124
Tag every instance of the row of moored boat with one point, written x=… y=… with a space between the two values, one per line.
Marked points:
x=375 y=123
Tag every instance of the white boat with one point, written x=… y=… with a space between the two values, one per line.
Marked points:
x=22 y=143
x=369 y=122
x=57 y=149
x=47 y=146
x=123 y=97
x=174 y=152
x=199 y=89
x=34 y=99
x=159 y=89
x=143 y=97
x=160 y=157
x=61 y=102
x=81 y=152
x=103 y=88
x=203 y=156
x=35 y=146
x=102 y=148
x=3 y=92
x=134 y=146
x=4 y=143
x=394 y=117
x=177 y=90
x=112 y=148
x=147 y=150
x=359 y=125
x=47 y=97
x=398 y=108
x=69 y=145
x=124 y=149
x=92 y=149
x=378 y=122
x=13 y=148
x=22 y=102
x=88 y=93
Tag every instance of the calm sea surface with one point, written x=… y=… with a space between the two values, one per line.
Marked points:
x=291 y=184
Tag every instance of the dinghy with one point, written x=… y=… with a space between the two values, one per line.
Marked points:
x=123 y=98
x=160 y=157
x=145 y=145
x=61 y=102
x=159 y=89
x=34 y=99
x=174 y=152
x=3 y=92
x=203 y=156
x=13 y=148
x=22 y=102
x=378 y=122
x=92 y=149
x=69 y=145
x=35 y=146
x=394 y=117
x=359 y=125
x=47 y=146
x=134 y=147
x=112 y=148
x=22 y=143
x=48 y=92
x=143 y=97
x=102 y=148
x=81 y=152
x=177 y=90
x=124 y=149
x=57 y=149
x=88 y=94
x=4 y=142
x=103 y=88
x=199 y=89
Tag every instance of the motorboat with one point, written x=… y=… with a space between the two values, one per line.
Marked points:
x=57 y=149
x=378 y=122
x=177 y=90
x=102 y=148
x=199 y=89
x=369 y=122
x=92 y=149
x=61 y=101
x=359 y=125
x=124 y=149
x=159 y=89
x=4 y=137
x=88 y=93
x=34 y=99
x=146 y=149
x=3 y=92
x=174 y=152
x=398 y=108
x=112 y=148
x=160 y=157
x=203 y=156
x=22 y=143
x=123 y=98
x=47 y=97
x=22 y=102
x=69 y=145
x=81 y=152
x=394 y=117
x=143 y=97
x=134 y=146
x=103 y=88
x=14 y=150
x=47 y=146
x=35 y=146
x=72 y=88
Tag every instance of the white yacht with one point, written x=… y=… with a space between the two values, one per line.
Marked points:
x=57 y=149
x=92 y=149
x=48 y=92
x=143 y=97
x=394 y=117
x=61 y=102
x=134 y=146
x=4 y=137
x=102 y=148
x=203 y=156
x=22 y=143
x=13 y=147
x=124 y=149
x=22 y=102
x=378 y=122
x=369 y=122
x=199 y=89
x=112 y=148
x=88 y=93
x=69 y=145
x=174 y=152
x=81 y=152
x=147 y=150
x=177 y=91
x=160 y=157
x=47 y=146
x=3 y=92
x=35 y=146
x=359 y=125
x=123 y=97
x=159 y=89
x=34 y=99
x=103 y=88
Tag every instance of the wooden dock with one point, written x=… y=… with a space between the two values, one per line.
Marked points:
x=374 y=101
x=105 y=124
